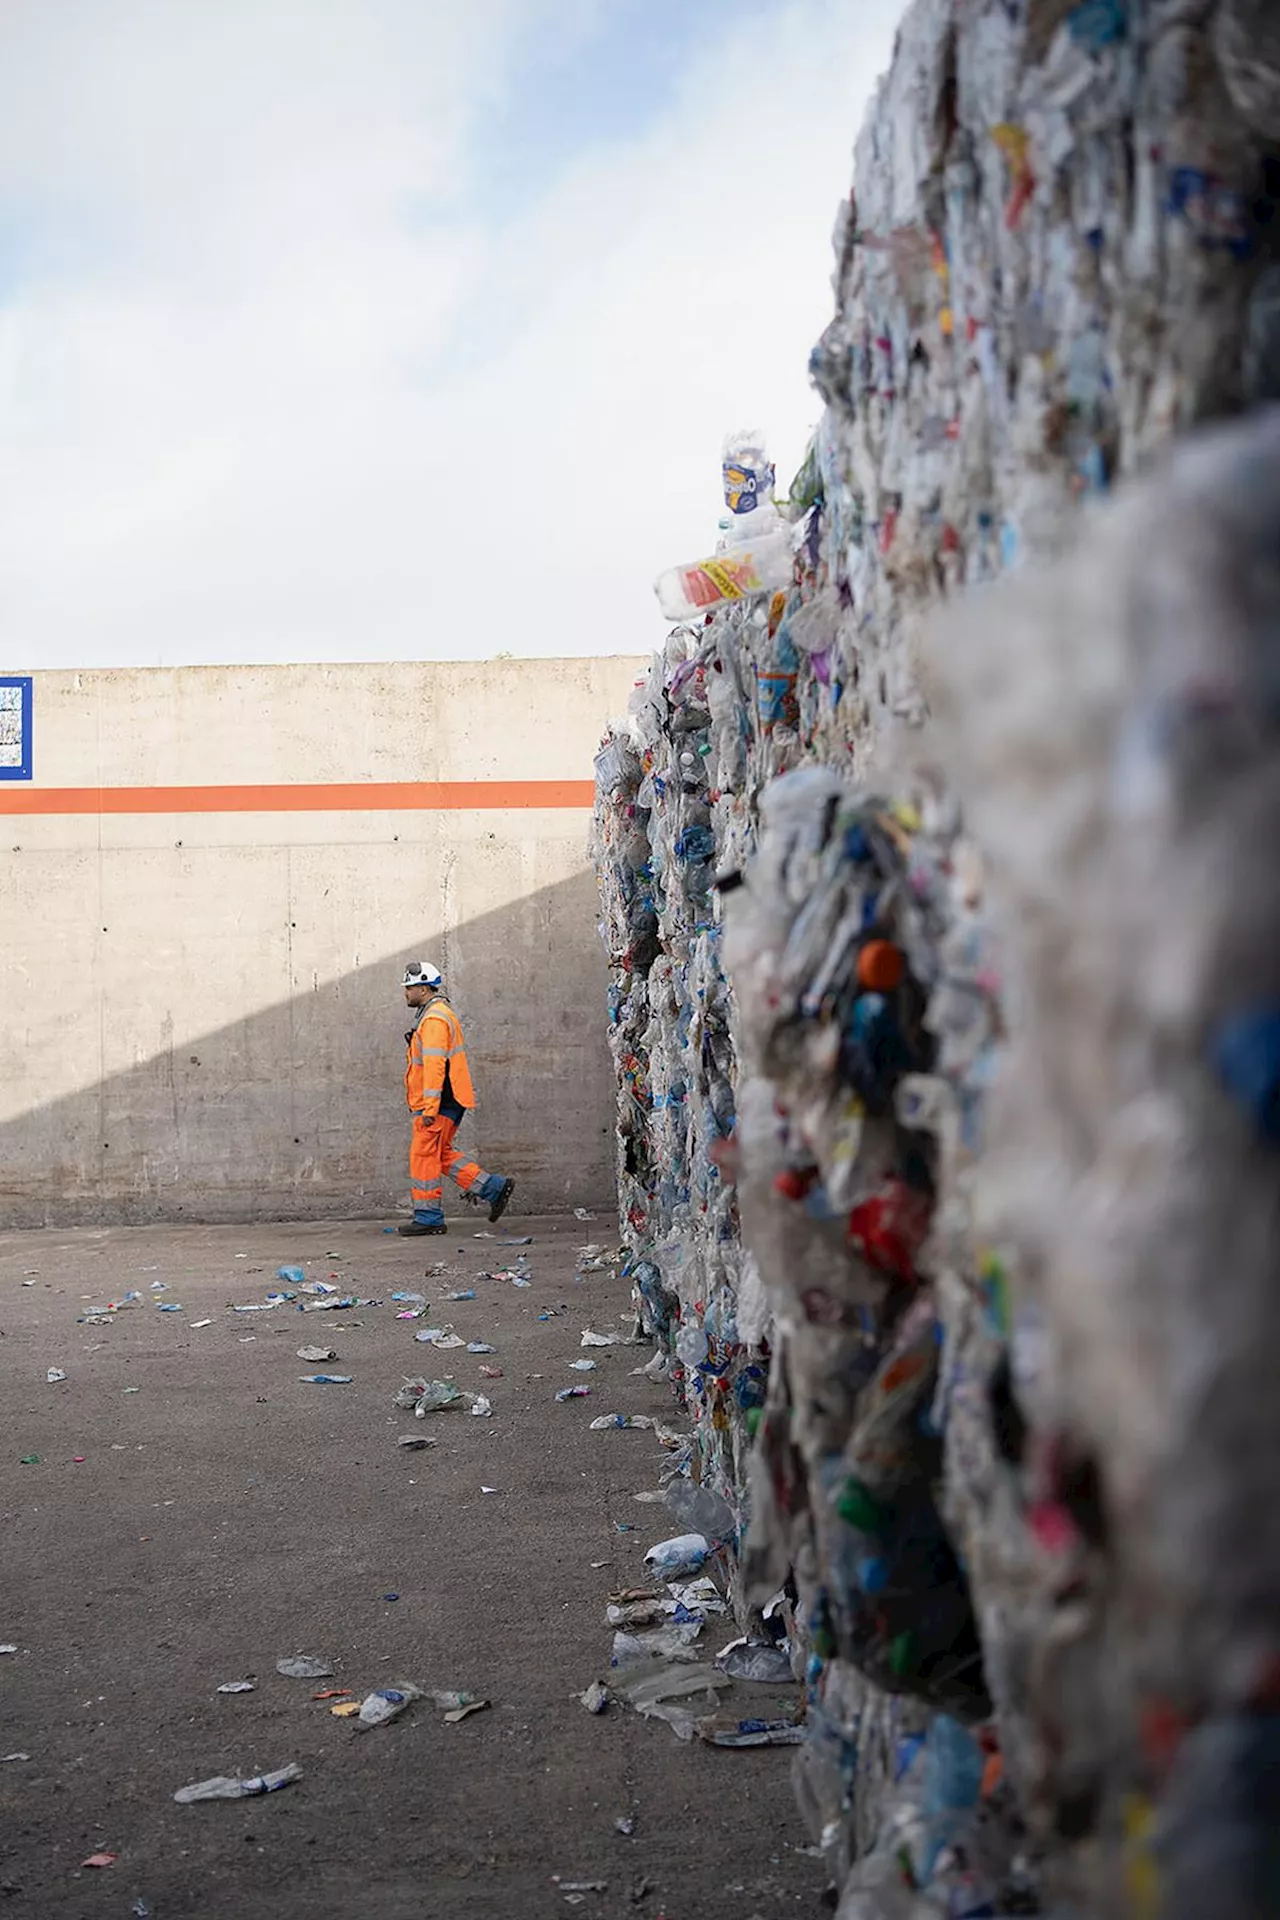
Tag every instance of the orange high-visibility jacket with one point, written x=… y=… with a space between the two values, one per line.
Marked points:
x=436 y=1051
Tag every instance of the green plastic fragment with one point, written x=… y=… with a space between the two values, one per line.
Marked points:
x=858 y=1507
x=901 y=1652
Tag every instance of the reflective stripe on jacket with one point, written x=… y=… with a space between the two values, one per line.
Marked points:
x=435 y=1047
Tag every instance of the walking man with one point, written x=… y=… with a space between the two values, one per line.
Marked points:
x=437 y=1084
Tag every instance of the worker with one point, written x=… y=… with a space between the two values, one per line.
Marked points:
x=437 y=1083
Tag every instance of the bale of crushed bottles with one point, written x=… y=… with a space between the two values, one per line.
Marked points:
x=1059 y=254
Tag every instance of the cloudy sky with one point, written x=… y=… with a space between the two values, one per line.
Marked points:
x=373 y=329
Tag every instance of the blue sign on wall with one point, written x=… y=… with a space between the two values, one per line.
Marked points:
x=15 y=727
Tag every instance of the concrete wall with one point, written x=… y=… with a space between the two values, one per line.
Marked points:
x=200 y=1003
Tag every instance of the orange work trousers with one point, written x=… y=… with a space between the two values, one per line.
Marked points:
x=431 y=1156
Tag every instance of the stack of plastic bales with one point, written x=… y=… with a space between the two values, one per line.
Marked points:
x=1059 y=254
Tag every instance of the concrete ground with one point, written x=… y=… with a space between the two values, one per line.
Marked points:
x=224 y=1515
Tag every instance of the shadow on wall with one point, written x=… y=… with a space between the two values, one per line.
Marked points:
x=298 y=1112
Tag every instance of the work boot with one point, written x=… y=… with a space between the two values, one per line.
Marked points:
x=414 y=1229
x=497 y=1192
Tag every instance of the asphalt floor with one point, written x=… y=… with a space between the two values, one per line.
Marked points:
x=183 y=1510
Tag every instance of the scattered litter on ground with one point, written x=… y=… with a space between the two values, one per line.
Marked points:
x=695 y=1599
x=461 y=1293
x=637 y=1607
x=481 y=1406
x=333 y=1693
x=346 y=1711
x=327 y=1379
x=238 y=1686
x=573 y=1393
x=596 y=1697
x=222 y=1787
x=296 y=1276
x=387 y=1703
x=429 y=1396
x=506 y=1239
x=95 y=1314
x=201 y=1323
x=304 y=1666
x=9 y=1648
x=456 y=1714
x=583 y=1366
x=316 y=1353
x=54 y=1375
x=640 y=1420
x=673 y=1642
x=480 y=1346
x=655 y=1688
x=762 y=1661
x=723 y=1730
x=583 y=1213
x=29 y=1460
x=491 y=1373
x=391 y=1596
x=590 y=1339
x=16 y=1756
x=415 y=1442
x=100 y=1860
x=625 y=1824
x=454 y=1700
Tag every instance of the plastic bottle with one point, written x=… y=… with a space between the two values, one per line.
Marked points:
x=952 y=1786
x=222 y=1787
x=387 y=1703
x=748 y=477
x=744 y=571
x=680 y=1557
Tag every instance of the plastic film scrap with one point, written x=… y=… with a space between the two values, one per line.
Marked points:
x=934 y=1110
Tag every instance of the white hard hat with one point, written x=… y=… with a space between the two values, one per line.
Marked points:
x=421 y=973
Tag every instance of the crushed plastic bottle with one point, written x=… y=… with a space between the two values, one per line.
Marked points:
x=743 y=572
x=679 y=1558
x=429 y=1396
x=223 y=1787
x=387 y=1703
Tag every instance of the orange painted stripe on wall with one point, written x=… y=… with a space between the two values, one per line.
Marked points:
x=356 y=796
